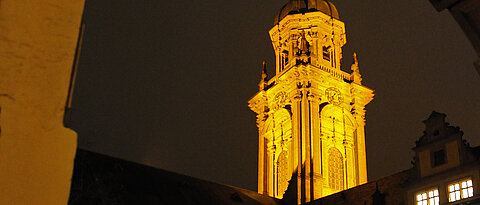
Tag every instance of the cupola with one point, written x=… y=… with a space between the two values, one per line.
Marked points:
x=304 y=6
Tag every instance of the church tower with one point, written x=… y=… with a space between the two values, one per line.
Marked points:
x=311 y=114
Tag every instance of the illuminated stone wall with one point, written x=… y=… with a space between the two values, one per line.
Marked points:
x=308 y=108
x=37 y=49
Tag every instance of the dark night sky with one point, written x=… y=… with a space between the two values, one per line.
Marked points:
x=166 y=83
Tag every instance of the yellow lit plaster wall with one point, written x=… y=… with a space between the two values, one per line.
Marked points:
x=37 y=48
x=453 y=159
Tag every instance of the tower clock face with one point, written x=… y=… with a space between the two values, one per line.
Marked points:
x=334 y=96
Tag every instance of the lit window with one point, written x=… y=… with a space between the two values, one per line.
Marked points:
x=460 y=190
x=428 y=198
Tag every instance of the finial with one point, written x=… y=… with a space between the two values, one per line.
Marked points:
x=263 y=78
x=354 y=66
x=355 y=60
x=356 y=77
x=264 y=70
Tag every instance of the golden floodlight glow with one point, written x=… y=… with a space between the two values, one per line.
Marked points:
x=311 y=114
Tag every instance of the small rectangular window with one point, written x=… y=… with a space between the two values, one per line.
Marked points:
x=439 y=158
x=460 y=190
x=429 y=197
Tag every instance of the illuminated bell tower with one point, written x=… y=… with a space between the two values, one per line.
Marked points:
x=311 y=114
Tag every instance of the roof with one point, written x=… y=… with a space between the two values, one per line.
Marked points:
x=387 y=190
x=437 y=129
x=101 y=179
x=305 y=6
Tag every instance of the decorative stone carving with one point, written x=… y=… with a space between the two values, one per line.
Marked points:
x=299 y=40
x=334 y=96
x=356 y=77
x=263 y=78
x=280 y=100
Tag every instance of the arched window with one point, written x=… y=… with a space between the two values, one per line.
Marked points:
x=283 y=174
x=277 y=170
x=335 y=169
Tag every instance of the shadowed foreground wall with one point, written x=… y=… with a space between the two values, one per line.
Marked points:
x=37 y=49
x=466 y=13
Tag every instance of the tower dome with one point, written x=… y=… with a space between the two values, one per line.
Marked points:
x=304 y=6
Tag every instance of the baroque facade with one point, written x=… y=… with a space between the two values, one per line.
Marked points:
x=311 y=114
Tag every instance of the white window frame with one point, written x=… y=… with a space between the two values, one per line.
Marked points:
x=428 y=197
x=459 y=190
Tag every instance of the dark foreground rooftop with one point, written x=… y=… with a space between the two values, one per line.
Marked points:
x=101 y=179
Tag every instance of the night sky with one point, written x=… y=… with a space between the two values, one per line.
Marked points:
x=166 y=83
